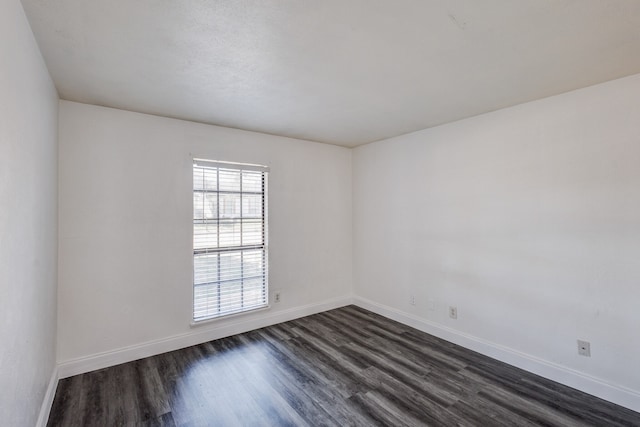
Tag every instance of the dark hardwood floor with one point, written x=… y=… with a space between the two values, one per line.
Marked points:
x=339 y=368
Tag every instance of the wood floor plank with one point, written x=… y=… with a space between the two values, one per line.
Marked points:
x=485 y=413
x=344 y=367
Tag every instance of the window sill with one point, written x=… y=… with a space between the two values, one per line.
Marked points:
x=195 y=324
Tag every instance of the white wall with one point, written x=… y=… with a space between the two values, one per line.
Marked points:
x=527 y=219
x=125 y=228
x=28 y=221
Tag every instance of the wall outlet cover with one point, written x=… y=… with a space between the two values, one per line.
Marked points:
x=584 y=348
x=453 y=312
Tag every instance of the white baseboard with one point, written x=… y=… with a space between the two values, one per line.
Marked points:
x=614 y=393
x=197 y=336
x=611 y=392
x=47 y=401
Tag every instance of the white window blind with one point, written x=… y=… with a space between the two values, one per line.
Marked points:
x=229 y=238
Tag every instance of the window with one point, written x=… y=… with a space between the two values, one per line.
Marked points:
x=229 y=238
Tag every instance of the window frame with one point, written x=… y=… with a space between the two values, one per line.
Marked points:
x=264 y=246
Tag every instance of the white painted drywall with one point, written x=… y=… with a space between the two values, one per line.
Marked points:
x=125 y=223
x=527 y=219
x=28 y=220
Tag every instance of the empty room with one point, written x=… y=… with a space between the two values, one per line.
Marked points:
x=329 y=213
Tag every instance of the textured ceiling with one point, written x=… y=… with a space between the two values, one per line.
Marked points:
x=345 y=72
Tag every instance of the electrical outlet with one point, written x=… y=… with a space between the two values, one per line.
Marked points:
x=412 y=300
x=431 y=305
x=276 y=297
x=453 y=312
x=584 y=348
